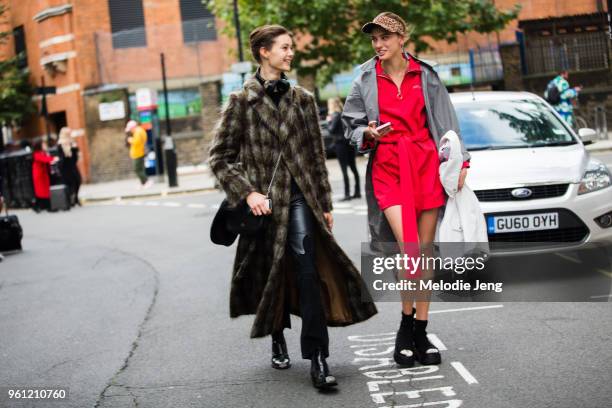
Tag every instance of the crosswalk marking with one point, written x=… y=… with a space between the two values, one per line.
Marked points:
x=463 y=372
x=340 y=208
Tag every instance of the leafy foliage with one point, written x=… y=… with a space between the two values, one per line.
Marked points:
x=15 y=88
x=331 y=32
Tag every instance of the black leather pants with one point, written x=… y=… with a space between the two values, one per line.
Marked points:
x=300 y=244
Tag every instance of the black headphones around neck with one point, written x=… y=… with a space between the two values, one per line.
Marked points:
x=276 y=86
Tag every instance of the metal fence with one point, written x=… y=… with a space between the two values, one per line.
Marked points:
x=573 y=52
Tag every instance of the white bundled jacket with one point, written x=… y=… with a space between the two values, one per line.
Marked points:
x=462 y=221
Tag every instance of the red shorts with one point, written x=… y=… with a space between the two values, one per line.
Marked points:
x=420 y=159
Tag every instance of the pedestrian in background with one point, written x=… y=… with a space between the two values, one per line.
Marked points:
x=559 y=94
x=137 y=139
x=403 y=188
x=295 y=264
x=68 y=153
x=345 y=151
x=41 y=168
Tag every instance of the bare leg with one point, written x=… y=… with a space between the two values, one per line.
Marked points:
x=394 y=217
x=427 y=230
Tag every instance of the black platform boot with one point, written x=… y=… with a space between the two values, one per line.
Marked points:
x=280 y=357
x=404 y=341
x=319 y=372
x=425 y=352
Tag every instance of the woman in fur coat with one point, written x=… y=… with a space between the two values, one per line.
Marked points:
x=294 y=265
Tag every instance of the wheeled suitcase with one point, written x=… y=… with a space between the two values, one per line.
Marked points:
x=59 y=198
x=10 y=233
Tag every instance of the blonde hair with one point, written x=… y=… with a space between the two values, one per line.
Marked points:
x=334 y=105
x=65 y=140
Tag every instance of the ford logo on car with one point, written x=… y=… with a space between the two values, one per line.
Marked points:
x=521 y=192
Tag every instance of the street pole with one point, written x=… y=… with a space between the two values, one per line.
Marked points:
x=238 y=37
x=169 y=151
x=163 y=68
x=44 y=109
x=237 y=24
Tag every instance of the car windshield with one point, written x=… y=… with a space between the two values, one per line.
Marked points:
x=510 y=124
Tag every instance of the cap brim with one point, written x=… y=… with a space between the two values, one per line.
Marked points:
x=368 y=27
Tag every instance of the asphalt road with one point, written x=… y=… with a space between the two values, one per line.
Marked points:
x=126 y=304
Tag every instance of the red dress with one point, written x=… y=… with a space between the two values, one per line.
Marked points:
x=405 y=170
x=40 y=174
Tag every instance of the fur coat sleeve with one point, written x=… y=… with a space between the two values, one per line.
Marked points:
x=224 y=156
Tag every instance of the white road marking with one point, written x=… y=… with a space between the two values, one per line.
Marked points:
x=343 y=211
x=463 y=372
x=436 y=342
x=568 y=258
x=600 y=296
x=152 y=204
x=361 y=212
x=465 y=308
x=342 y=205
x=172 y=204
x=361 y=207
x=196 y=205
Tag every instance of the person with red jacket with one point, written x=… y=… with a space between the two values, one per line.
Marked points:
x=41 y=162
x=398 y=109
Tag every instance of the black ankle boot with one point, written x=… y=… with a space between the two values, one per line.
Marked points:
x=280 y=357
x=425 y=352
x=319 y=372
x=404 y=342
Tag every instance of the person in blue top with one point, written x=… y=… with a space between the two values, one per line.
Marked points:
x=559 y=94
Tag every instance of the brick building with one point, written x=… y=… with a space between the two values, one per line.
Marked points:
x=100 y=51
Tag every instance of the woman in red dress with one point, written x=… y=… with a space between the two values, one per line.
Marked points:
x=403 y=188
x=41 y=161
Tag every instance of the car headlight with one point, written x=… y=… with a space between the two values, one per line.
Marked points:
x=596 y=177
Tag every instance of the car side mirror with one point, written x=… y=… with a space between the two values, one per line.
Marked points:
x=587 y=135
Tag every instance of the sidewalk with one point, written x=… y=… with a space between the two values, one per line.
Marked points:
x=190 y=179
x=193 y=179
x=600 y=146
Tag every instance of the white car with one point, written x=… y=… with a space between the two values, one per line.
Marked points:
x=535 y=181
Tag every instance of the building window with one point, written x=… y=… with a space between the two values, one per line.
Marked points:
x=20 y=47
x=574 y=43
x=197 y=21
x=127 y=23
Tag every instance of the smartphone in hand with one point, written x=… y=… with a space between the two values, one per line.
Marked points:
x=383 y=127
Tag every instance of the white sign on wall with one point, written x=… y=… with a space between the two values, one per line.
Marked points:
x=111 y=110
x=146 y=98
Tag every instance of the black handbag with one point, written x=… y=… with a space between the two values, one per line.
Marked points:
x=229 y=222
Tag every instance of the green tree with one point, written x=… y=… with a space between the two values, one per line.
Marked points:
x=334 y=26
x=15 y=88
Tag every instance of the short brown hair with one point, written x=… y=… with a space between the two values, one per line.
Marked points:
x=264 y=36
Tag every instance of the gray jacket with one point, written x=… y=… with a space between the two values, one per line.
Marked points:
x=361 y=107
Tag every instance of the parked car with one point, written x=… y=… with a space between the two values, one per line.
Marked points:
x=534 y=178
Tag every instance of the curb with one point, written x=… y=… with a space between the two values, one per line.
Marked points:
x=147 y=195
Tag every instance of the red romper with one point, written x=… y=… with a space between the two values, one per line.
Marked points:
x=405 y=170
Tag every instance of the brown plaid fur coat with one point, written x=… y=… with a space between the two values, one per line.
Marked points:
x=242 y=158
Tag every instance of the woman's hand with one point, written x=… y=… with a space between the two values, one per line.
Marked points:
x=462 y=177
x=258 y=203
x=371 y=133
x=329 y=219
